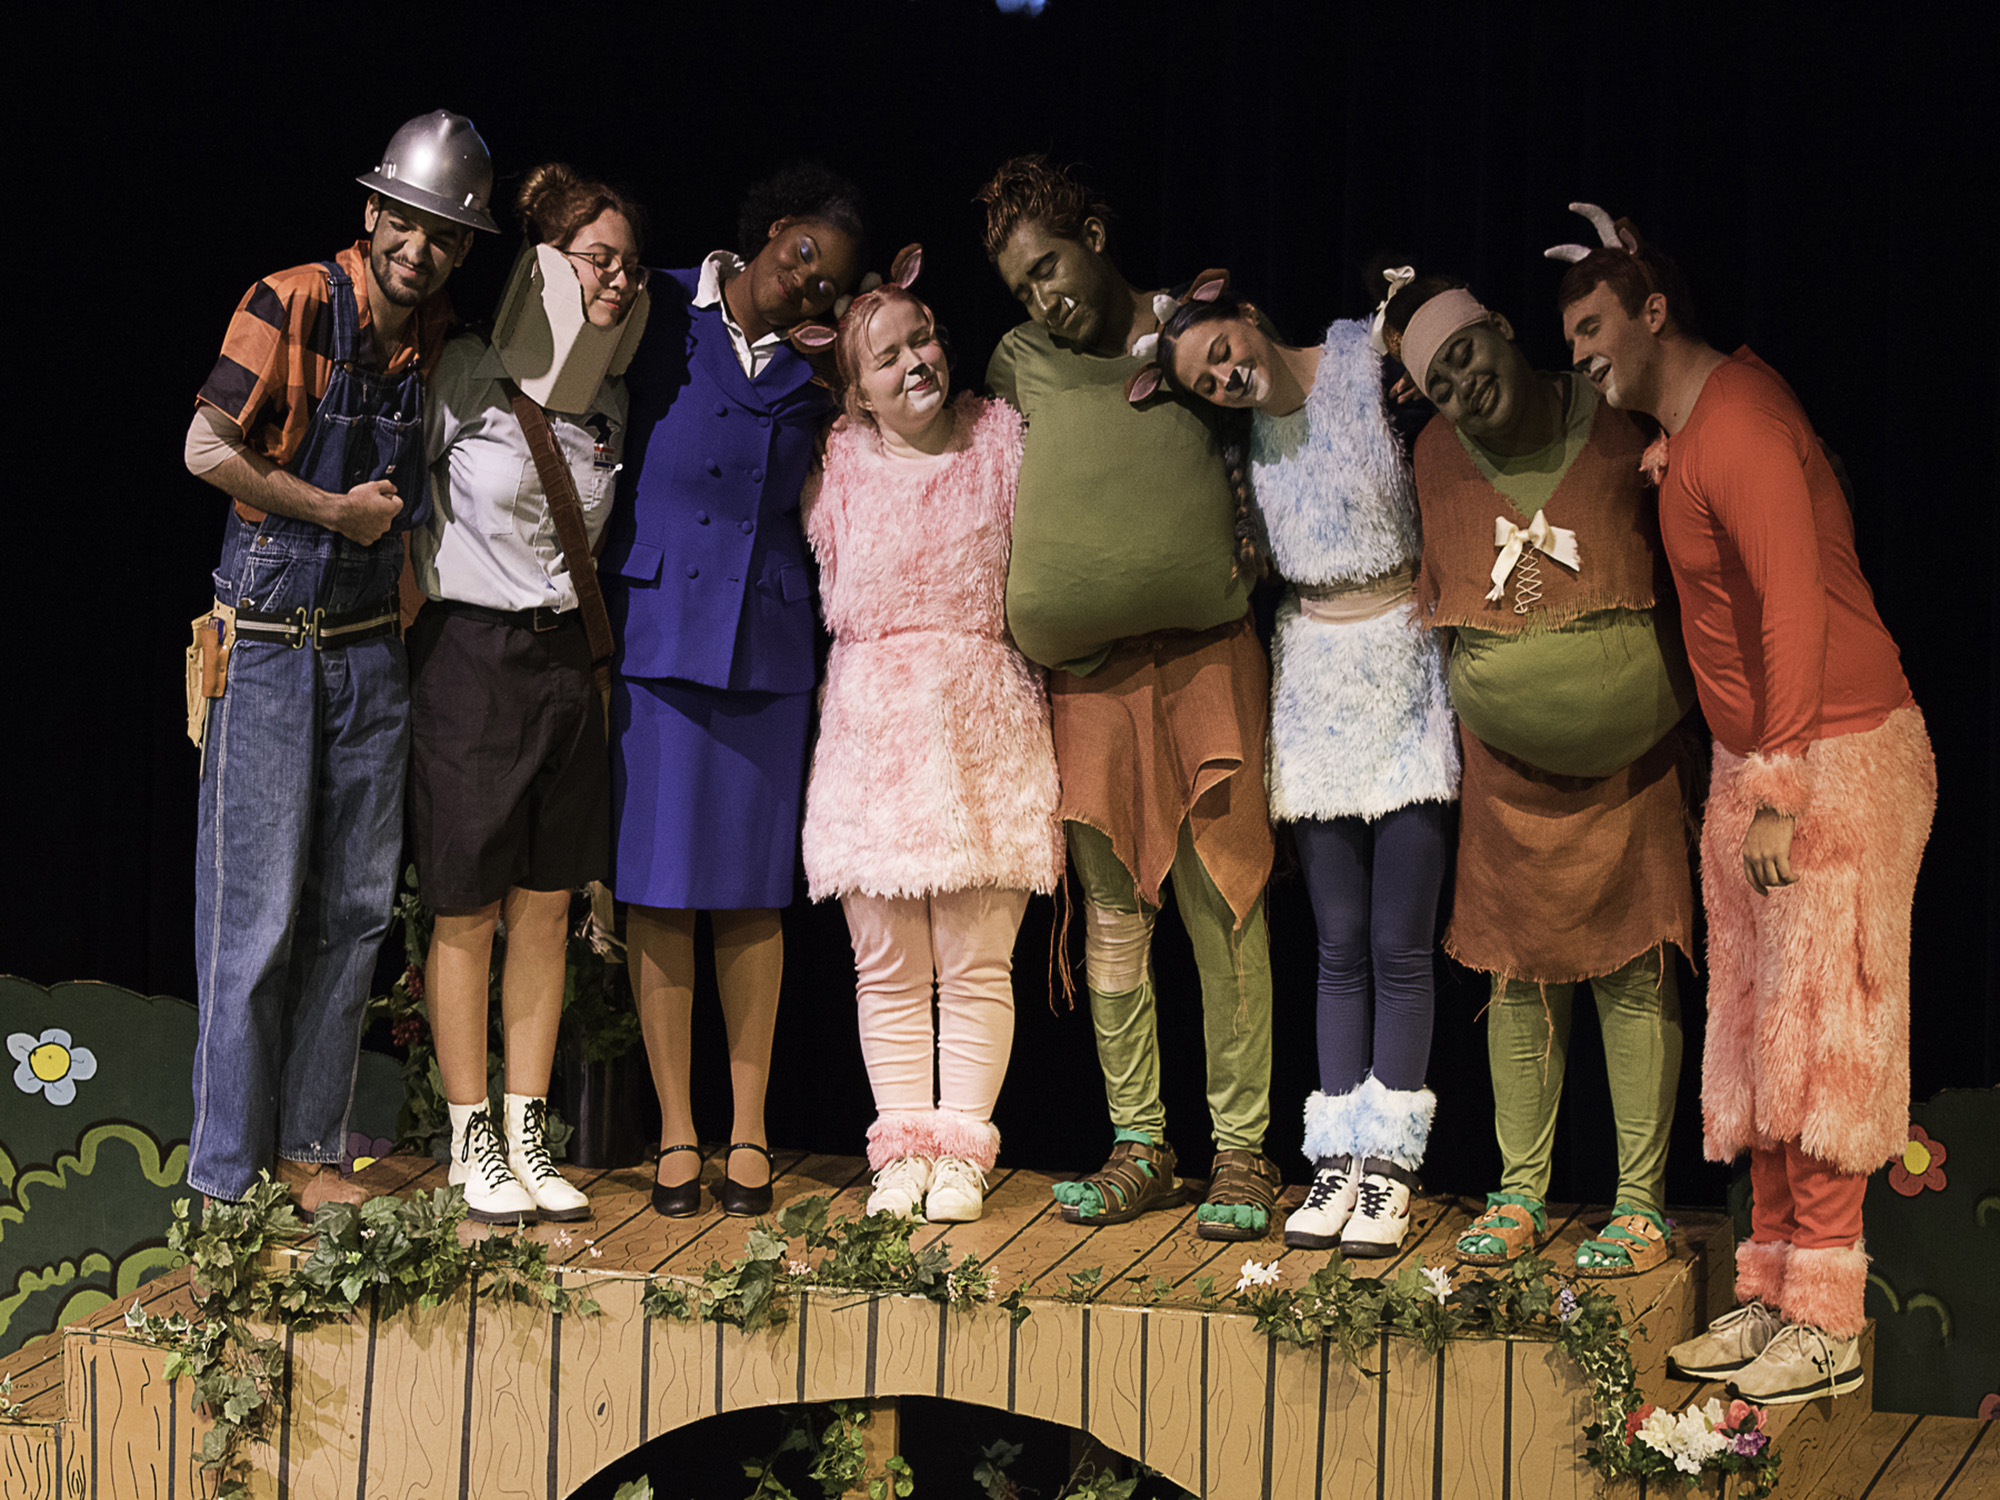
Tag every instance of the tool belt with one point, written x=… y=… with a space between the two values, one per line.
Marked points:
x=208 y=666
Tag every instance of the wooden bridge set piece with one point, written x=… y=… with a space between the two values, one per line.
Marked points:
x=475 y=1398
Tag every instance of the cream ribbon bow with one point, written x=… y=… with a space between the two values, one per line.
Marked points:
x=1558 y=542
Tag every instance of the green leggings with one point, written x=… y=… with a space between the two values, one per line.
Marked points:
x=1235 y=969
x=1639 y=1011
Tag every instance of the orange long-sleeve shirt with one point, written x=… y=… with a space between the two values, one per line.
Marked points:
x=1781 y=627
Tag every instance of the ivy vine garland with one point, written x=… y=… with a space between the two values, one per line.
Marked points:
x=406 y=1252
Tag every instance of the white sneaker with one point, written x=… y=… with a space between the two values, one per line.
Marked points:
x=1727 y=1345
x=900 y=1187
x=1316 y=1223
x=1801 y=1363
x=529 y=1160
x=1381 y=1210
x=493 y=1194
x=958 y=1191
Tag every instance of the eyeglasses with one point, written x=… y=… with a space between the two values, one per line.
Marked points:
x=609 y=267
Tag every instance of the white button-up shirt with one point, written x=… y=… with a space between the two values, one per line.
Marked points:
x=491 y=539
x=717 y=271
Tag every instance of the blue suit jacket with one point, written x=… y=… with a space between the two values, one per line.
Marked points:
x=705 y=567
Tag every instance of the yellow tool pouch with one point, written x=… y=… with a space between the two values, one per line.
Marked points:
x=213 y=634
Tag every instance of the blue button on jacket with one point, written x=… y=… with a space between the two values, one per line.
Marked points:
x=704 y=564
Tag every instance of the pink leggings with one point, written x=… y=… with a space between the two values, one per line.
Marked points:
x=963 y=941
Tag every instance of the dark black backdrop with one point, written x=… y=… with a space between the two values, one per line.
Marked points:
x=1825 y=179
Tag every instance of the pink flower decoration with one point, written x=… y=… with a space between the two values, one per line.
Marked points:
x=1921 y=1165
x=1989 y=1409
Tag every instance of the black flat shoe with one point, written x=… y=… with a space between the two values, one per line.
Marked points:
x=738 y=1201
x=683 y=1200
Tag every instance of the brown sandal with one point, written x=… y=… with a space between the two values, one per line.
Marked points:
x=1127 y=1189
x=1509 y=1218
x=1241 y=1180
x=1633 y=1242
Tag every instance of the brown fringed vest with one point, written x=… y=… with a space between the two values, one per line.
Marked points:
x=1600 y=499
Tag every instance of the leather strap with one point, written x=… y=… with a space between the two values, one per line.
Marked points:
x=567 y=512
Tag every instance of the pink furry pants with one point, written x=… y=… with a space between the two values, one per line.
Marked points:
x=963 y=942
x=1806 y=1061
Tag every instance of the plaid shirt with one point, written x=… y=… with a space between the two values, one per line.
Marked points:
x=276 y=358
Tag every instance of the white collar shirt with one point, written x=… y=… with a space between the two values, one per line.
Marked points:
x=491 y=539
x=716 y=272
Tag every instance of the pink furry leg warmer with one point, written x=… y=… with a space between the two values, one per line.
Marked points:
x=969 y=1139
x=898 y=1133
x=1825 y=1288
x=1760 y=1271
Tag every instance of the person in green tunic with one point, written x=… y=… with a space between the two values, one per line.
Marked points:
x=1127 y=581
x=1542 y=558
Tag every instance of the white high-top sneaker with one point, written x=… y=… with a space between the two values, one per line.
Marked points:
x=900 y=1187
x=528 y=1158
x=1381 y=1210
x=493 y=1194
x=1316 y=1224
x=958 y=1191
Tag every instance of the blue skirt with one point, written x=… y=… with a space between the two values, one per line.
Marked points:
x=706 y=785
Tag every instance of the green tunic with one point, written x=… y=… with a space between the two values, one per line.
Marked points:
x=1123 y=523
x=1582 y=698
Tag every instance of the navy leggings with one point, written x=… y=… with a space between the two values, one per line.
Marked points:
x=1374 y=888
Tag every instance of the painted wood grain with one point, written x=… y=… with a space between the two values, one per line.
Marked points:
x=1410 y=1393
x=758 y=1369
x=978 y=1356
x=1291 y=1434
x=597 y=1416
x=1117 y=1368
x=1176 y=1397
x=1238 y=1388
x=1349 y=1435
x=1550 y=1406
x=1048 y=1368
x=329 y=1375
x=1473 y=1433
x=28 y=1459
x=510 y=1435
x=679 y=1374
x=906 y=1345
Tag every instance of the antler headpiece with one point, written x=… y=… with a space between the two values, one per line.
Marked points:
x=1611 y=236
x=1145 y=380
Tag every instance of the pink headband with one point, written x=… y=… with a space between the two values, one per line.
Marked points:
x=1436 y=321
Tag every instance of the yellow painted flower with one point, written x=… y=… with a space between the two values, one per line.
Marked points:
x=50 y=1064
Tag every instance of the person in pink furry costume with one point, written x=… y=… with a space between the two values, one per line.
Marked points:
x=931 y=808
x=1821 y=804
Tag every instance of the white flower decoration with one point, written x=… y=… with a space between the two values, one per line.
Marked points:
x=1439 y=1281
x=1256 y=1275
x=49 y=1064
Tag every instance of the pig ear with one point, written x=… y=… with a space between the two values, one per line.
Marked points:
x=908 y=262
x=1145 y=380
x=1208 y=286
x=811 y=336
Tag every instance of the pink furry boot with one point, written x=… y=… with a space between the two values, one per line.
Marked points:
x=901 y=1144
x=966 y=1151
x=1825 y=1288
x=1760 y=1271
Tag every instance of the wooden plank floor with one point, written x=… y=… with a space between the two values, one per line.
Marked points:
x=1132 y=1290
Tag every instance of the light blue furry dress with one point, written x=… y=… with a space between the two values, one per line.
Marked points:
x=1360 y=717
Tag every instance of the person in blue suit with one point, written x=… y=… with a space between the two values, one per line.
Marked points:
x=706 y=576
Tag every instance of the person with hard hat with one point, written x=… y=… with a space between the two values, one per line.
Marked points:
x=312 y=421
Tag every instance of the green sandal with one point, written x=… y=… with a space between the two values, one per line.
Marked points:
x=1506 y=1230
x=1137 y=1179
x=1633 y=1243
x=1242 y=1193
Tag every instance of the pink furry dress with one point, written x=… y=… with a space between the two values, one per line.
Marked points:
x=934 y=770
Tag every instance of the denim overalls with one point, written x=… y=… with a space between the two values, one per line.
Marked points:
x=301 y=809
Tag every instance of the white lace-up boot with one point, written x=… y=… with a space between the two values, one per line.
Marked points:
x=1381 y=1210
x=900 y=1187
x=1316 y=1224
x=528 y=1157
x=493 y=1194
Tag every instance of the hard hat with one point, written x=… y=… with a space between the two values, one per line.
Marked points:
x=438 y=163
